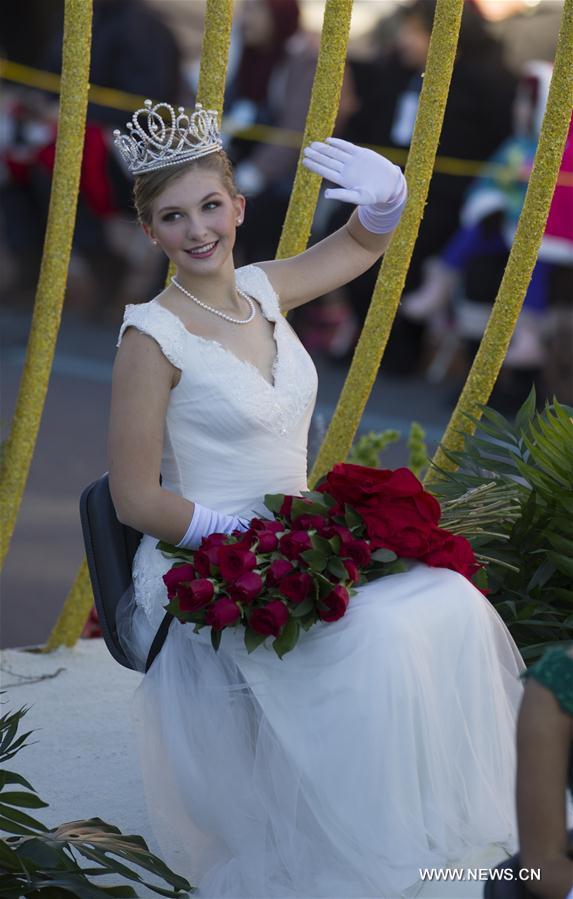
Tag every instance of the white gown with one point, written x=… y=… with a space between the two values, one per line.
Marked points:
x=382 y=744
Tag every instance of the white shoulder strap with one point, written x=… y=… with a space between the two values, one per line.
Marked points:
x=157 y=322
x=254 y=280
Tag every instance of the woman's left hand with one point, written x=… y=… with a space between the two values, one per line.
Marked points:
x=365 y=177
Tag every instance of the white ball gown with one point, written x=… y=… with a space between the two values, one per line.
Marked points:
x=384 y=743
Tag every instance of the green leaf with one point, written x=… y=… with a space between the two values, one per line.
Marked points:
x=274 y=501
x=215 y=638
x=303 y=608
x=336 y=567
x=541 y=575
x=561 y=544
x=316 y=561
x=480 y=580
x=527 y=411
x=287 y=639
x=384 y=555
x=9 y=777
x=8 y=825
x=12 y=814
x=321 y=545
x=564 y=564
x=22 y=800
x=352 y=517
x=299 y=507
x=253 y=639
x=308 y=620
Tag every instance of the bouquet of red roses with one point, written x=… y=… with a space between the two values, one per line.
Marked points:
x=301 y=566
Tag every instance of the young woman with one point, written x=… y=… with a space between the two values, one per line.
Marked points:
x=383 y=743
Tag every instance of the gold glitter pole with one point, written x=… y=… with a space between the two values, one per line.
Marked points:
x=215 y=54
x=530 y=228
x=214 y=60
x=75 y=611
x=320 y=121
x=390 y=282
x=54 y=268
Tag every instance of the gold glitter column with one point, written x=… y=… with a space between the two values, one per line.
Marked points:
x=390 y=282
x=512 y=290
x=320 y=121
x=53 y=273
x=215 y=54
x=210 y=92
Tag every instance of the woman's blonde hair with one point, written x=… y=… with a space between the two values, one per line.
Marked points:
x=147 y=187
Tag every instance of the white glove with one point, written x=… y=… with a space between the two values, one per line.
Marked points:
x=366 y=179
x=207 y=521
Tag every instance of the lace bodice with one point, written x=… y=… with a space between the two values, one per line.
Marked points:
x=230 y=435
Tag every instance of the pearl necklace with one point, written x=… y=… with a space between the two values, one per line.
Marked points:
x=234 y=321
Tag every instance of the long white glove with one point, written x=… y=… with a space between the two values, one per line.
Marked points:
x=207 y=521
x=366 y=179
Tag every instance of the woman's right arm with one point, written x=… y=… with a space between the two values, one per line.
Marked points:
x=141 y=384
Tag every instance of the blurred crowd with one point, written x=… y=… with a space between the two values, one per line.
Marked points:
x=151 y=48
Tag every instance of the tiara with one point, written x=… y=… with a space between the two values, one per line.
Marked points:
x=158 y=137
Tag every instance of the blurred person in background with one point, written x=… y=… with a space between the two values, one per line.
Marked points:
x=109 y=259
x=527 y=29
x=271 y=86
x=465 y=278
x=477 y=120
x=545 y=772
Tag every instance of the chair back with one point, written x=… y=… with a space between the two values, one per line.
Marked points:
x=110 y=548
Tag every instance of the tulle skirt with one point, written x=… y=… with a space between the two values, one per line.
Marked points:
x=382 y=744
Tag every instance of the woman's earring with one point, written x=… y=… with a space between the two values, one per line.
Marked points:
x=155 y=243
x=239 y=221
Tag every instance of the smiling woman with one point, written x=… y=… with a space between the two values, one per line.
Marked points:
x=384 y=743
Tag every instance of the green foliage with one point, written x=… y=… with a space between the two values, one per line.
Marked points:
x=530 y=464
x=41 y=863
x=367 y=449
x=418 y=450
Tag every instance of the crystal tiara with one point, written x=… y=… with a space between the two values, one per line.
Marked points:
x=159 y=137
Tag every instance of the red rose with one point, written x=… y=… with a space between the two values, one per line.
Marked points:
x=175 y=577
x=213 y=540
x=296 y=587
x=336 y=602
x=359 y=552
x=286 y=507
x=246 y=539
x=267 y=542
x=372 y=489
x=207 y=557
x=269 y=619
x=352 y=569
x=223 y=613
x=337 y=530
x=277 y=570
x=294 y=543
x=451 y=551
x=402 y=525
x=196 y=595
x=267 y=524
x=235 y=560
x=309 y=522
x=247 y=587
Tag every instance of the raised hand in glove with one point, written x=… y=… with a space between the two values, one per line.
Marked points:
x=365 y=178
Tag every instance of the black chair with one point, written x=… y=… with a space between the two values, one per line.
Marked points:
x=110 y=548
